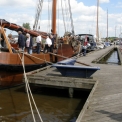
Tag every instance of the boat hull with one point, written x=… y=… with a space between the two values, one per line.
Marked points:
x=11 y=64
x=12 y=61
x=11 y=69
x=10 y=79
x=65 y=50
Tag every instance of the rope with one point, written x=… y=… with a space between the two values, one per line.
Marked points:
x=37 y=15
x=29 y=91
x=22 y=60
x=41 y=3
x=67 y=16
x=63 y=16
x=74 y=57
x=37 y=58
x=71 y=17
x=49 y=25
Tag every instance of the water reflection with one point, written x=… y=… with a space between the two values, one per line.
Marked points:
x=113 y=59
x=54 y=105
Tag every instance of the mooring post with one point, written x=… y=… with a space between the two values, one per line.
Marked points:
x=71 y=90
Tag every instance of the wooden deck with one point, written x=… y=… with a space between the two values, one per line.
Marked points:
x=51 y=77
x=104 y=103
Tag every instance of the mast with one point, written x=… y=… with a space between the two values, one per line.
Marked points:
x=107 y=24
x=97 y=28
x=54 y=16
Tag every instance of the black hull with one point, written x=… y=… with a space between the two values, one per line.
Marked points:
x=18 y=68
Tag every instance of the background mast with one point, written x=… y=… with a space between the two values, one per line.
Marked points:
x=97 y=28
x=107 y=24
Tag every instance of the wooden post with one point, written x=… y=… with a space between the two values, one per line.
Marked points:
x=71 y=90
x=6 y=40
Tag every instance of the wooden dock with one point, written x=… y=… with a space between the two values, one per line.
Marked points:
x=51 y=77
x=104 y=103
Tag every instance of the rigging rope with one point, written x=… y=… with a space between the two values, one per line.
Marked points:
x=37 y=16
x=71 y=17
x=49 y=18
x=63 y=16
x=67 y=16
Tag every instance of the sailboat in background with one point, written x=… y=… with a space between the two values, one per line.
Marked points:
x=12 y=61
x=107 y=42
x=98 y=40
x=97 y=26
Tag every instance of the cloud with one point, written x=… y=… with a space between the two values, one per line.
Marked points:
x=104 y=1
x=84 y=17
x=119 y=5
x=16 y=3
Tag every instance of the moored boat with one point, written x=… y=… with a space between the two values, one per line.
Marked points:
x=11 y=57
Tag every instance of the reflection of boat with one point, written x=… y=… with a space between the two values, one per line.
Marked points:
x=10 y=78
x=12 y=62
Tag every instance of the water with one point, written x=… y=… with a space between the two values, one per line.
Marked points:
x=54 y=104
x=113 y=59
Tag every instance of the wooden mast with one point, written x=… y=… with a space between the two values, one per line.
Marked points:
x=54 y=16
x=97 y=28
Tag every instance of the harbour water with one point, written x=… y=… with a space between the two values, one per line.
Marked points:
x=54 y=104
x=113 y=59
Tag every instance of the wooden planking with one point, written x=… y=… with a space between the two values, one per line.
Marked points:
x=86 y=103
x=96 y=113
x=104 y=101
x=61 y=81
x=49 y=76
x=105 y=104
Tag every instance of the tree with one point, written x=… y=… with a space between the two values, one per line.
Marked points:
x=26 y=25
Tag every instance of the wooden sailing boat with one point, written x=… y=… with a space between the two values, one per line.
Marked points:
x=12 y=61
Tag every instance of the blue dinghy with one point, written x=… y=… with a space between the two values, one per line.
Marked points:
x=68 y=61
x=76 y=71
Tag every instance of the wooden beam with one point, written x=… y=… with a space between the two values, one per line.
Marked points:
x=67 y=58
x=6 y=40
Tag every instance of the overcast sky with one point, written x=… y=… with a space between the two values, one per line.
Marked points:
x=83 y=12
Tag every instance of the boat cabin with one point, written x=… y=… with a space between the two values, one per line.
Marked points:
x=90 y=39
